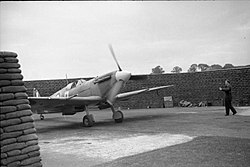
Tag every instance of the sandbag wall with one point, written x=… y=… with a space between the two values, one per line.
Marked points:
x=19 y=142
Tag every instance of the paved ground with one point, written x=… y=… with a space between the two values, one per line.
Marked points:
x=147 y=137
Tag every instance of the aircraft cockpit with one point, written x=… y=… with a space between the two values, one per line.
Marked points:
x=77 y=83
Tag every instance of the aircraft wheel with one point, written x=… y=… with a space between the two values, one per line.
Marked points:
x=41 y=117
x=118 y=117
x=88 y=121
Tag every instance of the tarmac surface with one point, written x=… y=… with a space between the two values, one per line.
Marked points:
x=147 y=137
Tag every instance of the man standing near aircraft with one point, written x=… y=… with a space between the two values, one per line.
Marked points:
x=228 y=98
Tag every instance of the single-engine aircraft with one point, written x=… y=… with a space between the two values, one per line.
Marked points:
x=102 y=91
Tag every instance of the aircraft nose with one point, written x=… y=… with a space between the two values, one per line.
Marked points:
x=122 y=76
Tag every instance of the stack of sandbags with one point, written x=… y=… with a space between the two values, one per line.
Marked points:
x=184 y=103
x=19 y=142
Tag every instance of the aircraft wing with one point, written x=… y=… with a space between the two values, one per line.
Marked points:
x=57 y=103
x=126 y=95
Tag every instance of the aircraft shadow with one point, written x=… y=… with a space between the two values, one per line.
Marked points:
x=133 y=119
x=57 y=124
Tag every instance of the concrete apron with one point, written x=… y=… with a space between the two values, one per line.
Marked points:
x=100 y=149
x=245 y=111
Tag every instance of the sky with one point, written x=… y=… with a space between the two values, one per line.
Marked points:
x=55 y=39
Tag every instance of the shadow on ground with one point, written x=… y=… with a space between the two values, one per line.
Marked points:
x=202 y=151
x=60 y=124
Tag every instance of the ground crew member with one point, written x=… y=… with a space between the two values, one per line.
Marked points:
x=228 y=98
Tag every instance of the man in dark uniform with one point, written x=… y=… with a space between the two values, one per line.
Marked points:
x=228 y=98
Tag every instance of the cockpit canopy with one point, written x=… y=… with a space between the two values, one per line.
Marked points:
x=76 y=83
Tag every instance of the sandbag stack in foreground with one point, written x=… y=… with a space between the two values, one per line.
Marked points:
x=19 y=142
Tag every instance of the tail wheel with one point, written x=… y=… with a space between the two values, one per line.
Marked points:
x=41 y=117
x=88 y=121
x=118 y=117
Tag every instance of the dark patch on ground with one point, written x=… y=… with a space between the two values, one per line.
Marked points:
x=202 y=151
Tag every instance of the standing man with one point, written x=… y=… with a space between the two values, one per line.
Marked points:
x=228 y=98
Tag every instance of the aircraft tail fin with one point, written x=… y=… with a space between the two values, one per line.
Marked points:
x=36 y=93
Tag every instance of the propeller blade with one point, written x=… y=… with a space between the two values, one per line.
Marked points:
x=139 y=77
x=113 y=54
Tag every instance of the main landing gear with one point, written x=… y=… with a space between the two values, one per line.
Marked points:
x=88 y=119
x=117 y=115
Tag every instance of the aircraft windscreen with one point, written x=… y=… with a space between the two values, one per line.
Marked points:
x=73 y=85
x=81 y=81
x=77 y=83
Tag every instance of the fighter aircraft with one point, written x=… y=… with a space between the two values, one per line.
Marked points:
x=102 y=91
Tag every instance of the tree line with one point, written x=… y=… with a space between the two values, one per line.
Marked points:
x=196 y=67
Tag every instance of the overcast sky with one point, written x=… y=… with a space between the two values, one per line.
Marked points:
x=53 y=39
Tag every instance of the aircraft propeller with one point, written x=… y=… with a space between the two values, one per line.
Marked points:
x=113 y=54
x=133 y=77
